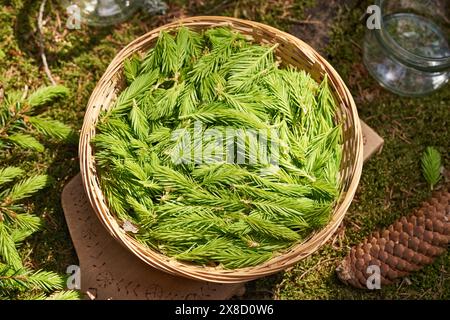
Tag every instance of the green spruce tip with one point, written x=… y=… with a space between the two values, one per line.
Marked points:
x=233 y=215
x=131 y=68
x=431 y=166
x=48 y=127
x=53 y=129
x=20 y=123
x=45 y=95
x=26 y=284
x=25 y=141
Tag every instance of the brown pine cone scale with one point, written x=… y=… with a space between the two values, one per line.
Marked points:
x=406 y=246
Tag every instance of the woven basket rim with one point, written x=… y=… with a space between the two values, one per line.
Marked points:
x=171 y=265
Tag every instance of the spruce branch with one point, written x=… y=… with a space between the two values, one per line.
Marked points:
x=64 y=295
x=20 y=235
x=173 y=179
x=16 y=223
x=139 y=86
x=431 y=166
x=17 y=119
x=138 y=121
x=9 y=173
x=8 y=251
x=33 y=285
x=165 y=55
x=131 y=68
x=270 y=229
x=45 y=280
x=189 y=46
x=229 y=256
x=219 y=114
x=26 y=188
x=25 y=141
x=24 y=279
x=249 y=65
x=167 y=104
x=189 y=100
x=52 y=128
x=26 y=222
x=45 y=95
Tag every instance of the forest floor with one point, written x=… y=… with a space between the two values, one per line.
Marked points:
x=391 y=185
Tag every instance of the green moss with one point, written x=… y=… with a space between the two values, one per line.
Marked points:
x=391 y=185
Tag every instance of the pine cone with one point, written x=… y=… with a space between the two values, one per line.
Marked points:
x=406 y=246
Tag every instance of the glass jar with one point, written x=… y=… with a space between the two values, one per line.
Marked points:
x=103 y=12
x=410 y=54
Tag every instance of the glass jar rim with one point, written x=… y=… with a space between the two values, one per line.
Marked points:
x=406 y=56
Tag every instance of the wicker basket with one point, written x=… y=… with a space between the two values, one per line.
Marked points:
x=292 y=51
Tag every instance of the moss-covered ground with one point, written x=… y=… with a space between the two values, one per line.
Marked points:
x=391 y=184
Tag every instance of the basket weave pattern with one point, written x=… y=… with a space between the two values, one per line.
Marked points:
x=291 y=51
